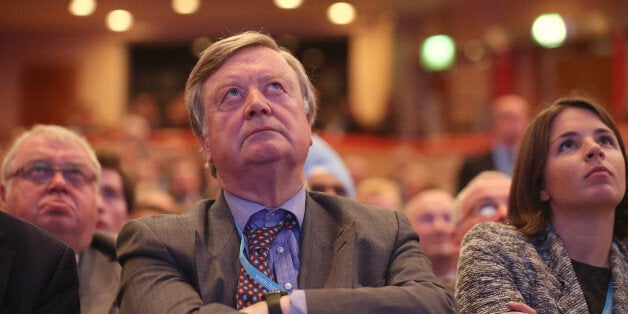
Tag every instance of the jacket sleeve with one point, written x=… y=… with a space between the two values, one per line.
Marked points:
x=485 y=282
x=153 y=278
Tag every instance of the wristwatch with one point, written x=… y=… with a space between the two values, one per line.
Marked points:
x=272 y=299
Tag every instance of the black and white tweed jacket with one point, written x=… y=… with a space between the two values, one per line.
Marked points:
x=498 y=264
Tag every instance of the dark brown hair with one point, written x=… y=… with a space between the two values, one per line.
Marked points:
x=109 y=159
x=526 y=211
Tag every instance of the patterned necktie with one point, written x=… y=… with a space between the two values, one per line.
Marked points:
x=260 y=241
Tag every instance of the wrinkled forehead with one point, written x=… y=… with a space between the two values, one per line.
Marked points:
x=40 y=147
x=255 y=57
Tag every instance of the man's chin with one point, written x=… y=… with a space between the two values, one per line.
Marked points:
x=57 y=224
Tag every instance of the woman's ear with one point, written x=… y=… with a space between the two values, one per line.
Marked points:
x=544 y=195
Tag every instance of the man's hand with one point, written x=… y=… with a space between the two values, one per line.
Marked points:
x=260 y=307
x=520 y=308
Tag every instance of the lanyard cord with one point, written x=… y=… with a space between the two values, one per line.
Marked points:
x=608 y=306
x=257 y=275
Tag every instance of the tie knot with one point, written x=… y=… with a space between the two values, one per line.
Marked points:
x=262 y=237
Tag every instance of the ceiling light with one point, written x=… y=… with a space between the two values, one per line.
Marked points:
x=82 y=7
x=185 y=6
x=288 y=4
x=341 y=13
x=549 y=30
x=438 y=53
x=119 y=20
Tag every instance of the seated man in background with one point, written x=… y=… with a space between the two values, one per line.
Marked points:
x=266 y=244
x=484 y=199
x=430 y=213
x=38 y=271
x=509 y=119
x=50 y=178
x=117 y=190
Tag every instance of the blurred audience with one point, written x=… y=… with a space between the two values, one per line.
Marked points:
x=359 y=167
x=50 y=178
x=117 y=191
x=484 y=199
x=430 y=213
x=186 y=181
x=322 y=179
x=322 y=154
x=177 y=113
x=380 y=191
x=153 y=200
x=145 y=105
x=509 y=119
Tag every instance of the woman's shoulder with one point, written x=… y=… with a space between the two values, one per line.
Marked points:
x=494 y=233
x=493 y=228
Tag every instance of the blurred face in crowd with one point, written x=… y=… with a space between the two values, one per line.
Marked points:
x=585 y=167
x=510 y=118
x=430 y=216
x=112 y=209
x=487 y=200
x=185 y=178
x=255 y=114
x=326 y=182
x=52 y=184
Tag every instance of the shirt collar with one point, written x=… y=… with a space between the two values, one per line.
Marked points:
x=242 y=209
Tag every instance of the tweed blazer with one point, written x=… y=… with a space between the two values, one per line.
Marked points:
x=353 y=259
x=498 y=264
x=37 y=271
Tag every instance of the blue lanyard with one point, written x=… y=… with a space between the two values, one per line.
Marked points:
x=608 y=306
x=257 y=275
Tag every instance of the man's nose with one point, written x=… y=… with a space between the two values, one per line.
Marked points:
x=257 y=104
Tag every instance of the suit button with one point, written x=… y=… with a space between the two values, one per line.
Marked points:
x=288 y=286
x=280 y=249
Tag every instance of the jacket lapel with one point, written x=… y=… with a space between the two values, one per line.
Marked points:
x=216 y=253
x=619 y=273
x=328 y=260
x=569 y=294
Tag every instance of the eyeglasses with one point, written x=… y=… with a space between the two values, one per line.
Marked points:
x=41 y=172
x=484 y=210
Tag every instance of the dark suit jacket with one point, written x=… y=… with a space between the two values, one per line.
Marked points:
x=353 y=259
x=472 y=166
x=37 y=271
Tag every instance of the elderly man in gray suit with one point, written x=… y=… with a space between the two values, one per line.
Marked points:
x=267 y=245
x=49 y=177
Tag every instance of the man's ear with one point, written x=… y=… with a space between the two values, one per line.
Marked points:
x=544 y=195
x=205 y=145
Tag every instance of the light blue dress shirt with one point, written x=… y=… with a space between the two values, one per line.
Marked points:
x=284 y=251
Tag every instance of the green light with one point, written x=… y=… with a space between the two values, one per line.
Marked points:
x=549 y=30
x=438 y=53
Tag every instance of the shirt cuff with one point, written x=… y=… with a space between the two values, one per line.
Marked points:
x=297 y=302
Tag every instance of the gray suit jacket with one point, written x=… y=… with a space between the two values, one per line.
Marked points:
x=353 y=259
x=99 y=276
